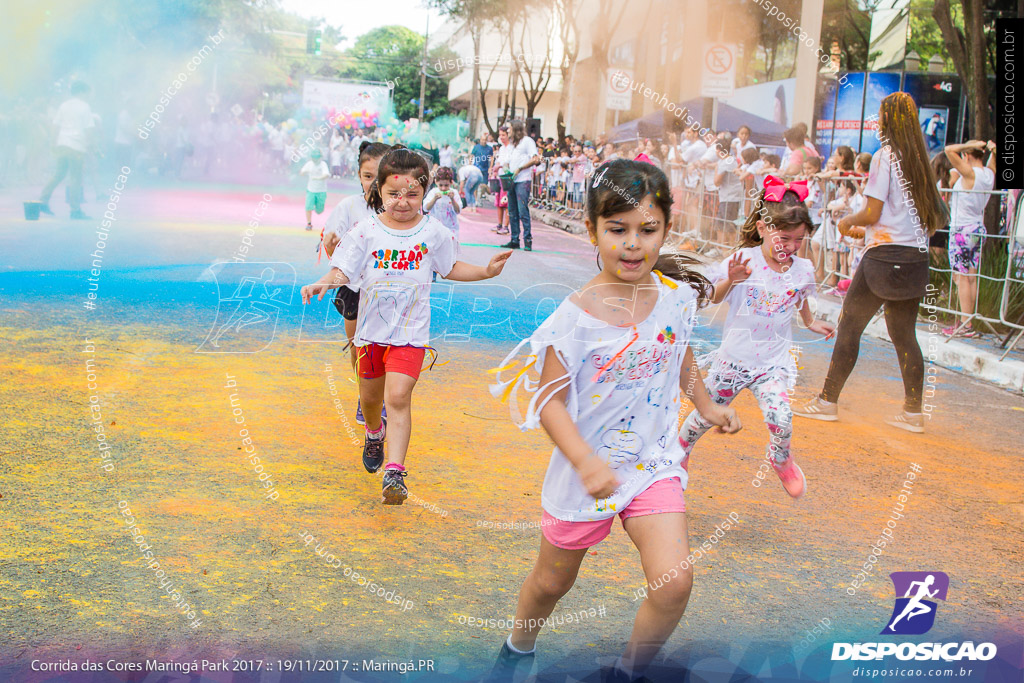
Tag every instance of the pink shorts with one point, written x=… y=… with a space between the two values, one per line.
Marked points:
x=660 y=497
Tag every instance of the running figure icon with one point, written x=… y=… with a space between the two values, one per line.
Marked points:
x=246 y=320
x=915 y=607
x=916 y=602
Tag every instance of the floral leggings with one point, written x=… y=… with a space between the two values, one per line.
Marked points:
x=771 y=389
x=965 y=242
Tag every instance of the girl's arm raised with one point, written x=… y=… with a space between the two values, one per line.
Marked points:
x=333 y=278
x=467 y=272
x=737 y=271
x=597 y=477
x=724 y=417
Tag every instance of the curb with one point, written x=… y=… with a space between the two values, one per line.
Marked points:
x=558 y=221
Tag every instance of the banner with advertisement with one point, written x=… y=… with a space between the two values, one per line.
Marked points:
x=844 y=105
x=372 y=98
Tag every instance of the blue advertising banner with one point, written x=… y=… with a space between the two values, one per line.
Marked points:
x=842 y=110
x=840 y=120
x=879 y=86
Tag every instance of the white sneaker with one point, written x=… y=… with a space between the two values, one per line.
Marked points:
x=911 y=422
x=816 y=409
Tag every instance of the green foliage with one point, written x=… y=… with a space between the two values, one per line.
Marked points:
x=925 y=37
x=394 y=53
x=848 y=24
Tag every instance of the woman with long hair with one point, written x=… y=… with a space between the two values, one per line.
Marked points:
x=903 y=210
x=521 y=160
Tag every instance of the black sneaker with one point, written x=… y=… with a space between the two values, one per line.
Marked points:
x=510 y=666
x=373 y=453
x=393 y=490
x=510 y=245
x=528 y=246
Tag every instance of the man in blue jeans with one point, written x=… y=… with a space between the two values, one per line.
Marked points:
x=523 y=158
x=75 y=125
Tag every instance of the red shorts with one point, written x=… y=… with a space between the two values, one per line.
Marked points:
x=665 y=495
x=377 y=359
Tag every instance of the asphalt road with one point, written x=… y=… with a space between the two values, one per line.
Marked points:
x=74 y=585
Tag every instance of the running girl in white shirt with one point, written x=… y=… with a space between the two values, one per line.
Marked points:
x=764 y=282
x=611 y=375
x=390 y=257
x=343 y=218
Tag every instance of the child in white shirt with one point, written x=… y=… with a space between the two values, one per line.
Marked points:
x=316 y=186
x=611 y=377
x=765 y=283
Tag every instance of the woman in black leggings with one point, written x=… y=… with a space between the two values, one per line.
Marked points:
x=903 y=209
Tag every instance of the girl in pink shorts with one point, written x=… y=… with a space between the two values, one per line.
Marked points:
x=614 y=359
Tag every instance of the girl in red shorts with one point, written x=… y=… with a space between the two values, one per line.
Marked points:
x=613 y=360
x=390 y=258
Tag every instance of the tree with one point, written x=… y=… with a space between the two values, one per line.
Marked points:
x=394 y=53
x=847 y=23
x=567 y=12
x=535 y=77
x=600 y=42
x=967 y=48
x=476 y=15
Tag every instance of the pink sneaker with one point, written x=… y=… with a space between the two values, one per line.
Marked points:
x=792 y=477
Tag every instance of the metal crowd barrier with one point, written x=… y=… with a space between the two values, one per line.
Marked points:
x=558 y=197
x=696 y=225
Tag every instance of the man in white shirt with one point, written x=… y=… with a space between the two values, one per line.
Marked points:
x=522 y=159
x=74 y=122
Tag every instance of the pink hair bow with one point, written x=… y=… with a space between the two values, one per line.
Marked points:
x=774 y=189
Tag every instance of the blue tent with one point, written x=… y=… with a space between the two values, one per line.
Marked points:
x=763 y=132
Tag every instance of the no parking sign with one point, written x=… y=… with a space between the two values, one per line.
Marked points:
x=719 y=66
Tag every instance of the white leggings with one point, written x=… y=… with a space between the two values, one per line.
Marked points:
x=771 y=389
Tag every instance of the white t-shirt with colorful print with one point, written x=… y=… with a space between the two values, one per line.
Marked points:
x=392 y=269
x=624 y=397
x=758 y=328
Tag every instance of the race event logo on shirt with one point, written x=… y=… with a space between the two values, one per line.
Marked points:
x=914 y=613
x=399 y=259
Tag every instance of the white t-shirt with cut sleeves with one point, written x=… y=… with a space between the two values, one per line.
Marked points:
x=392 y=270
x=896 y=225
x=968 y=208
x=73 y=119
x=624 y=397
x=757 y=333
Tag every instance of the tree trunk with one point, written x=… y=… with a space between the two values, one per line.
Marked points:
x=968 y=55
x=474 y=95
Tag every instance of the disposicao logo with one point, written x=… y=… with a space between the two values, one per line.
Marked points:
x=914 y=614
